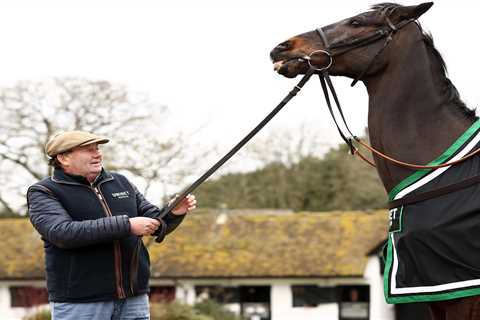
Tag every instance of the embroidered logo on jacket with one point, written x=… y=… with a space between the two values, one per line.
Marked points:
x=121 y=195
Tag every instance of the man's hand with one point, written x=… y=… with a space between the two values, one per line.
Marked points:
x=142 y=226
x=188 y=203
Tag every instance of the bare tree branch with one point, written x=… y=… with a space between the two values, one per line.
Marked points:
x=23 y=165
x=31 y=112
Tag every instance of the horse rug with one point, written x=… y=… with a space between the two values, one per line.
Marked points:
x=433 y=248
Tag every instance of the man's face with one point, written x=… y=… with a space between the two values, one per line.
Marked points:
x=84 y=161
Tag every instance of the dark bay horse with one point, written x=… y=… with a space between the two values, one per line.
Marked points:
x=415 y=115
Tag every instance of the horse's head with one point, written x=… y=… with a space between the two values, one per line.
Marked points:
x=350 y=47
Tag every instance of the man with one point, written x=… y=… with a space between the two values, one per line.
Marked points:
x=91 y=222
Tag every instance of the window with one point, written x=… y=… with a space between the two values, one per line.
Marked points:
x=354 y=302
x=162 y=294
x=253 y=302
x=255 y=293
x=25 y=296
x=312 y=295
x=220 y=294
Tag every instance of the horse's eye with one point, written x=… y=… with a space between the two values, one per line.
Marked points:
x=354 y=23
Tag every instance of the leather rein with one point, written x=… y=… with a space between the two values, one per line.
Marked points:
x=341 y=47
x=234 y=150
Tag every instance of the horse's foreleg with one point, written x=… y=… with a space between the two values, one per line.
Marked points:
x=457 y=309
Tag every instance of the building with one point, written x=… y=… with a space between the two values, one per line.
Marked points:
x=263 y=265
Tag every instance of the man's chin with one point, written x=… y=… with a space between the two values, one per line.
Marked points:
x=95 y=170
x=92 y=175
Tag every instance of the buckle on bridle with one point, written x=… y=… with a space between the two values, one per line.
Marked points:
x=320 y=51
x=390 y=24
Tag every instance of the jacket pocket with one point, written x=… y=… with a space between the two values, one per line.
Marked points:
x=92 y=273
x=139 y=265
x=134 y=263
x=143 y=268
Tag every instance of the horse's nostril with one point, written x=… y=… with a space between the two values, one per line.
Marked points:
x=279 y=49
x=284 y=46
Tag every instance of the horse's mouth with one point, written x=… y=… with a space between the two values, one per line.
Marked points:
x=290 y=67
x=278 y=65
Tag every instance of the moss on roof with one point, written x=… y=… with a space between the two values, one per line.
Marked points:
x=332 y=244
x=268 y=245
x=21 y=250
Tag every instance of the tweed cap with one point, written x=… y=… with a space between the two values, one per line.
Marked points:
x=64 y=141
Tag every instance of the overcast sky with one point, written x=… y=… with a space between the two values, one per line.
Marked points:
x=208 y=61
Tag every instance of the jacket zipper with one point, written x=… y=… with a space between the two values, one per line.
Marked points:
x=116 y=246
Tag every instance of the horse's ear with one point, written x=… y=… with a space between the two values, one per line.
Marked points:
x=411 y=12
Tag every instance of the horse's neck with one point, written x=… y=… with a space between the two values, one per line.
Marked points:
x=409 y=116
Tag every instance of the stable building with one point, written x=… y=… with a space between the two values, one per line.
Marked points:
x=267 y=265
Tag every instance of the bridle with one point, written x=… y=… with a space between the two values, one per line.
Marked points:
x=336 y=49
x=344 y=46
x=347 y=45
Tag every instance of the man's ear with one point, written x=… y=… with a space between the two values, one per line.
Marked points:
x=64 y=159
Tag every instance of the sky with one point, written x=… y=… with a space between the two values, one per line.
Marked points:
x=208 y=61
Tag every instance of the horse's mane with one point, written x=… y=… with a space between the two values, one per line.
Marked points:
x=449 y=89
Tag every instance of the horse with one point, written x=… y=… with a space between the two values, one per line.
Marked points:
x=415 y=114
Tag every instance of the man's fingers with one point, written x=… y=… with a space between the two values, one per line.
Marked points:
x=153 y=225
x=142 y=226
x=191 y=202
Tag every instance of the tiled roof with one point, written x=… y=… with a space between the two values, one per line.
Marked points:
x=332 y=244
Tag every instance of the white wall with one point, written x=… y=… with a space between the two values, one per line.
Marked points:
x=280 y=296
x=9 y=313
x=379 y=309
x=281 y=304
x=185 y=293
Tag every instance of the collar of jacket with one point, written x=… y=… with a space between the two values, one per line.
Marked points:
x=61 y=176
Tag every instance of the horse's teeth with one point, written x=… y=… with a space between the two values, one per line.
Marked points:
x=277 y=65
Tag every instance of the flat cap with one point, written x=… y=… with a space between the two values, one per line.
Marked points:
x=64 y=141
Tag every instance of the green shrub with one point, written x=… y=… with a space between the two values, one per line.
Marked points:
x=215 y=310
x=207 y=310
x=175 y=311
x=40 y=315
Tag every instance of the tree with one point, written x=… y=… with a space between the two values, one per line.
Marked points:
x=31 y=112
x=287 y=146
x=334 y=181
x=339 y=181
x=258 y=176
